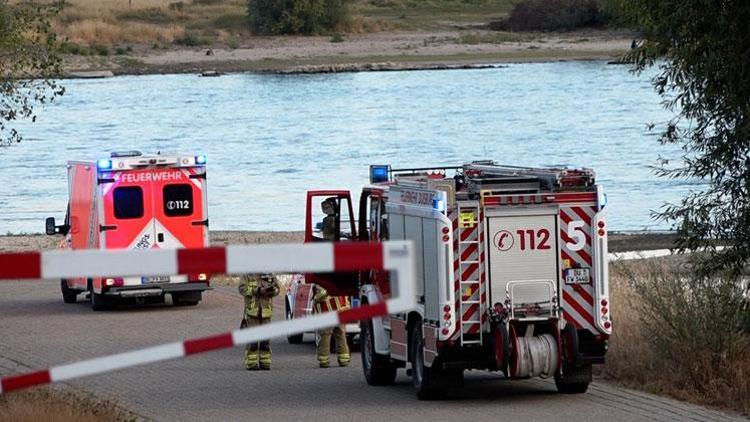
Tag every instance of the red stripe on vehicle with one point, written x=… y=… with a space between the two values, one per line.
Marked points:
x=575 y=197
x=471 y=290
x=362 y=312
x=357 y=255
x=570 y=319
x=581 y=311
x=470 y=249
x=471 y=269
x=470 y=311
x=467 y=232
x=202 y=260
x=206 y=344
x=581 y=213
x=17 y=382
x=20 y=265
x=473 y=329
x=584 y=294
x=586 y=257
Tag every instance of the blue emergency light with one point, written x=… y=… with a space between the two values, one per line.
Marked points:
x=104 y=164
x=200 y=159
x=379 y=173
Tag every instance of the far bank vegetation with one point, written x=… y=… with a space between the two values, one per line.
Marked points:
x=102 y=27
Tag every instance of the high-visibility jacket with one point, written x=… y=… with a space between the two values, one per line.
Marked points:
x=258 y=294
x=325 y=303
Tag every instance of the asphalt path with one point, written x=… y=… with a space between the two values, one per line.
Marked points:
x=38 y=330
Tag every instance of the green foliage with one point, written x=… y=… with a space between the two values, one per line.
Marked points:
x=703 y=50
x=553 y=15
x=29 y=61
x=297 y=16
x=192 y=39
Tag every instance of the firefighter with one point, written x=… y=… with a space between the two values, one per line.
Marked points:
x=325 y=303
x=258 y=291
x=329 y=221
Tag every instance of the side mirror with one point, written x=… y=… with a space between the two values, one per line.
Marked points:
x=49 y=226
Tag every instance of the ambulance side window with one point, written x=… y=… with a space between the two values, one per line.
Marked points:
x=178 y=200
x=128 y=202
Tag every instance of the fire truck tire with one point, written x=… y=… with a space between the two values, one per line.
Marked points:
x=295 y=338
x=427 y=381
x=378 y=369
x=69 y=295
x=186 y=299
x=574 y=380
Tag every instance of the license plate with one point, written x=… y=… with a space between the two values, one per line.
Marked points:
x=156 y=279
x=577 y=276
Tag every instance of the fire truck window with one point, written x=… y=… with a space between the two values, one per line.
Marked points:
x=178 y=200
x=128 y=202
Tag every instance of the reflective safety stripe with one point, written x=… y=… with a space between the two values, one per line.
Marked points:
x=333 y=303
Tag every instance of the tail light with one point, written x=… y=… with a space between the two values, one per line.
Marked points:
x=114 y=282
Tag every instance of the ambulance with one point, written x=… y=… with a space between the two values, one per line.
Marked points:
x=511 y=273
x=135 y=201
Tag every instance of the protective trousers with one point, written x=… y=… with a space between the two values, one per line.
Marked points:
x=258 y=355
x=324 y=346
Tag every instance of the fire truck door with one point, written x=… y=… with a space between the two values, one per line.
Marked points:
x=180 y=219
x=522 y=247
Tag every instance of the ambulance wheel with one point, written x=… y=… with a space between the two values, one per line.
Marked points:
x=294 y=338
x=573 y=380
x=426 y=380
x=69 y=295
x=378 y=369
x=186 y=299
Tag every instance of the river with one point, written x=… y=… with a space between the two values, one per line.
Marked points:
x=269 y=138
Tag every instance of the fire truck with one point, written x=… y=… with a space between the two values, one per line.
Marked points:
x=135 y=201
x=512 y=273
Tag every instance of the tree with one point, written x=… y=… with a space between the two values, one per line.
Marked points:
x=702 y=48
x=297 y=16
x=28 y=63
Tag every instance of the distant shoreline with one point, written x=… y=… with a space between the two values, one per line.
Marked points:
x=385 y=51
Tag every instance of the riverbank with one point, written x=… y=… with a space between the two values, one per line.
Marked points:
x=420 y=50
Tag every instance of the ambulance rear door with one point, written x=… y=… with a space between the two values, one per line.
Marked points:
x=180 y=209
x=127 y=218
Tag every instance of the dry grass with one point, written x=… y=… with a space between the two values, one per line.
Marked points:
x=46 y=405
x=708 y=365
x=112 y=22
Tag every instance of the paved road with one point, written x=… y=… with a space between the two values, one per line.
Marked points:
x=38 y=330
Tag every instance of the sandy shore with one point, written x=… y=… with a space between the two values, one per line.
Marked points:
x=33 y=242
x=388 y=50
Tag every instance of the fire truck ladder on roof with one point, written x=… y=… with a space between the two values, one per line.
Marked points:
x=472 y=283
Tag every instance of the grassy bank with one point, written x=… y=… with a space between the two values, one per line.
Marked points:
x=91 y=25
x=677 y=338
x=47 y=405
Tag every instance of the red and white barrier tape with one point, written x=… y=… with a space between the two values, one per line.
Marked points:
x=396 y=256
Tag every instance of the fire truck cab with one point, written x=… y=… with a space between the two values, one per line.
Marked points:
x=299 y=295
x=511 y=271
x=135 y=201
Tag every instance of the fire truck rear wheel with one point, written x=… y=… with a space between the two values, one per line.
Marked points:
x=574 y=380
x=427 y=381
x=295 y=338
x=69 y=295
x=378 y=369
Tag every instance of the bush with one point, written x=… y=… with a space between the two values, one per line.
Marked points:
x=553 y=15
x=192 y=39
x=297 y=16
x=680 y=334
